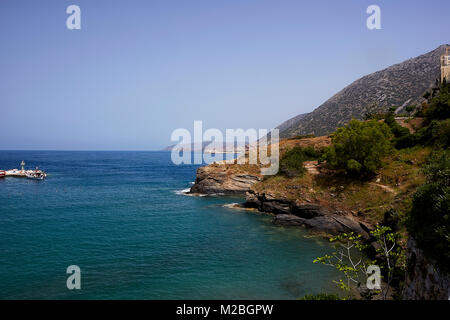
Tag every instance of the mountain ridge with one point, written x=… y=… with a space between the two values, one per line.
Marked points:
x=399 y=85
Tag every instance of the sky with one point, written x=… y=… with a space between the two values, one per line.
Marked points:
x=137 y=70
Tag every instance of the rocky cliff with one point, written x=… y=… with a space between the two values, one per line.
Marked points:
x=225 y=179
x=229 y=178
x=424 y=280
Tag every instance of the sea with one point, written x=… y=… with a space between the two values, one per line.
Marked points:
x=125 y=220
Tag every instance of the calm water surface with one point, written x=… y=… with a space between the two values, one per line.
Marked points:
x=121 y=218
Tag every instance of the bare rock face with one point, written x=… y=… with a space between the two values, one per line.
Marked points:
x=220 y=179
x=424 y=280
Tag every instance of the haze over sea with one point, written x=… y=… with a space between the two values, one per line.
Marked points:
x=120 y=216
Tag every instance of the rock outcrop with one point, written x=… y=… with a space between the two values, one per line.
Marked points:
x=309 y=215
x=232 y=178
x=223 y=179
x=424 y=280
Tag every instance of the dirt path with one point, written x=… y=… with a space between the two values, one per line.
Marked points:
x=312 y=168
x=382 y=186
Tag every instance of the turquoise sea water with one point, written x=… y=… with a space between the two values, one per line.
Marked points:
x=119 y=217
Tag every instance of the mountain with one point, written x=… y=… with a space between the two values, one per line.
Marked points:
x=291 y=122
x=399 y=85
x=207 y=147
x=193 y=147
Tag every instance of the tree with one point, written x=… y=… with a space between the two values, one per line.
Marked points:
x=440 y=104
x=396 y=129
x=410 y=108
x=350 y=260
x=429 y=220
x=437 y=134
x=359 y=147
x=393 y=258
x=348 y=245
x=403 y=138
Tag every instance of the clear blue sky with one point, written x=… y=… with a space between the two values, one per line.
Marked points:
x=139 y=69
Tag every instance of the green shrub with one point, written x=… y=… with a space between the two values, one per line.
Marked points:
x=442 y=138
x=359 y=147
x=429 y=220
x=436 y=133
x=440 y=104
x=311 y=153
x=407 y=141
x=402 y=137
x=396 y=129
x=410 y=108
x=437 y=130
x=291 y=163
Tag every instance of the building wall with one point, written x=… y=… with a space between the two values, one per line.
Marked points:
x=445 y=72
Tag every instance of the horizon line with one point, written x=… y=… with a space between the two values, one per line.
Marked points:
x=84 y=150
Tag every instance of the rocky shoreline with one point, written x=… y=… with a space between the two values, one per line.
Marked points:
x=309 y=215
x=222 y=179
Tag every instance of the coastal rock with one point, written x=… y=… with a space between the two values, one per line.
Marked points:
x=309 y=215
x=275 y=207
x=267 y=202
x=328 y=224
x=222 y=179
x=424 y=280
x=288 y=220
x=251 y=200
x=307 y=210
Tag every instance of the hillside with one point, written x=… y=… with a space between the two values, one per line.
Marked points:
x=399 y=85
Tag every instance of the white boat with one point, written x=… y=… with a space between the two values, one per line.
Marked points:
x=30 y=174
x=36 y=175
